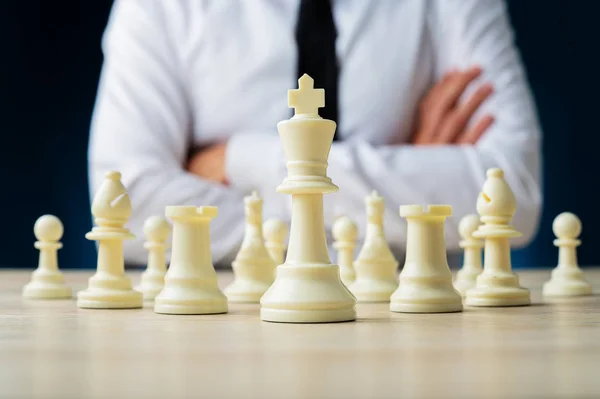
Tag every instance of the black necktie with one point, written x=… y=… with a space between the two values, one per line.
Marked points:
x=315 y=37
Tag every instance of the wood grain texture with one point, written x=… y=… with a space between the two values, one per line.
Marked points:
x=52 y=349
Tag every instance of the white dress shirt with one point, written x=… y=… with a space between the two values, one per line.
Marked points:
x=182 y=73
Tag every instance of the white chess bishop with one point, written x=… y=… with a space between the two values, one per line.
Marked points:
x=345 y=232
x=110 y=288
x=275 y=232
x=497 y=285
x=426 y=281
x=472 y=267
x=253 y=267
x=567 y=278
x=156 y=230
x=191 y=282
x=307 y=288
x=375 y=267
x=47 y=282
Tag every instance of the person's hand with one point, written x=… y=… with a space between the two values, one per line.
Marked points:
x=209 y=163
x=441 y=120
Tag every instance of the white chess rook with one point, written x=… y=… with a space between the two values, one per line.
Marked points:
x=253 y=267
x=191 y=281
x=47 y=282
x=376 y=268
x=497 y=285
x=275 y=232
x=567 y=278
x=426 y=280
x=345 y=232
x=472 y=267
x=110 y=288
x=307 y=288
x=156 y=230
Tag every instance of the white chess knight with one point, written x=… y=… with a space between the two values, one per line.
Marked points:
x=375 y=267
x=307 y=288
x=497 y=285
x=472 y=267
x=110 y=288
x=567 y=278
x=426 y=281
x=253 y=267
x=345 y=232
x=47 y=282
x=275 y=232
x=191 y=281
x=156 y=230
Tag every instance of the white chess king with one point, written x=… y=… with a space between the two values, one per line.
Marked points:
x=497 y=285
x=567 y=278
x=110 y=288
x=307 y=288
x=47 y=282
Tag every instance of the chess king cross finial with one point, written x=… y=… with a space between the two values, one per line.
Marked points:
x=306 y=100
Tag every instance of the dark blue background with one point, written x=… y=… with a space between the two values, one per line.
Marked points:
x=48 y=78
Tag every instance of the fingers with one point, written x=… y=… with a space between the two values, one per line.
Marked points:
x=458 y=119
x=454 y=88
x=472 y=135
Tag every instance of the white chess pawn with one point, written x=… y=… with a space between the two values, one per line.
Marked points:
x=567 y=278
x=191 y=282
x=344 y=233
x=47 y=282
x=466 y=276
x=156 y=230
x=110 y=287
x=376 y=267
x=425 y=281
x=253 y=267
x=497 y=285
x=275 y=232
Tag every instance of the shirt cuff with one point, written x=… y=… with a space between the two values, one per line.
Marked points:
x=253 y=160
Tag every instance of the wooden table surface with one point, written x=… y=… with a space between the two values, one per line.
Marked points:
x=52 y=349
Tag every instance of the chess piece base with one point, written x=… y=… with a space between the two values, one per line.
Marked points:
x=244 y=291
x=151 y=285
x=423 y=294
x=308 y=294
x=405 y=307
x=251 y=281
x=109 y=299
x=38 y=290
x=201 y=296
x=191 y=307
x=107 y=291
x=371 y=291
x=419 y=299
x=465 y=280
x=498 y=297
x=567 y=288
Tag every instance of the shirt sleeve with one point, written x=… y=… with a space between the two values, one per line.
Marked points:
x=141 y=127
x=464 y=33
